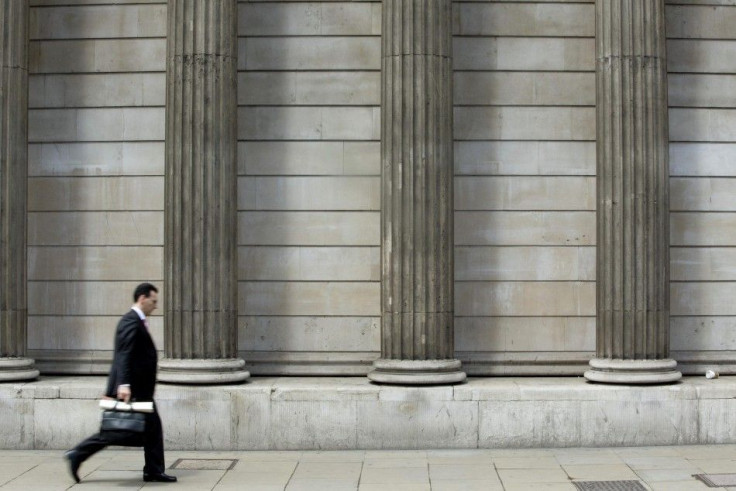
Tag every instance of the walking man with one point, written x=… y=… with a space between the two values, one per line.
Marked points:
x=132 y=377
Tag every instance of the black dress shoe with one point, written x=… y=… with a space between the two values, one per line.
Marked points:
x=158 y=477
x=74 y=462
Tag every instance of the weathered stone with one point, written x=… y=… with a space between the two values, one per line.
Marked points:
x=200 y=247
x=632 y=344
x=417 y=338
x=14 y=190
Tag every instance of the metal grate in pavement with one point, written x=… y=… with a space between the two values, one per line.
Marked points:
x=609 y=486
x=205 y=464
x=717 y=480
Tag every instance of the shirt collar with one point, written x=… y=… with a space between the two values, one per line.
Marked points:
x=139 y=312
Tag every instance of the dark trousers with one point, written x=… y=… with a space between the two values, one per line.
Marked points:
x=152 y=441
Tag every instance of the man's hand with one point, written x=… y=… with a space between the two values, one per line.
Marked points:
x=124 y=393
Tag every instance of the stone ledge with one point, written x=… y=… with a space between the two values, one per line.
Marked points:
x=293 y=413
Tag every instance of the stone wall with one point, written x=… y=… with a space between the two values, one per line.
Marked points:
x=309 y=185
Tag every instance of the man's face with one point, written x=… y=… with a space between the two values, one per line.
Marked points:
x=148 y=304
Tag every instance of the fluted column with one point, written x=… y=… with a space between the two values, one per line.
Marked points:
x=200 y=251
x=13 y=191
x=632 y=336
x=417 y=345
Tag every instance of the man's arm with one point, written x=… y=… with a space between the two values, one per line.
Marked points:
x=124 y=342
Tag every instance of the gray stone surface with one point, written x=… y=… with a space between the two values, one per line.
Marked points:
x=200 y=248
x=347 y=413
x=417 y=279
x=633 y=300
x=14 y=190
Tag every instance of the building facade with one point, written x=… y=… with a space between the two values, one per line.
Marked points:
x=492 y=111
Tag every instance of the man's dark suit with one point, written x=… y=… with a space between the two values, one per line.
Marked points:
x=134 y=363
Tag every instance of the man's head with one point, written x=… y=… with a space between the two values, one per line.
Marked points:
x=145 y=297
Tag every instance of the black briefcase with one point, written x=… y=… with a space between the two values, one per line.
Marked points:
x=123 y=421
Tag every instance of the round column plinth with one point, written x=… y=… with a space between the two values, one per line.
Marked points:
x=201 y=371
x=417 y=372
x=12 y=369
x=617 y=371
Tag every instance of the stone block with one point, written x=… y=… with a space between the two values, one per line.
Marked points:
x=358 y=88
x=95 y=263
x=707 y=333
x=703 y=229
x=362 y=158
x=52 y=125
x=706 y=125
x=524 y=158
x=703 y=298
x=524 y=263
x=525 y=193
x=97 y=90
x=110 y=21
x=525 y=298
x=424 y=424
x=519 y=53
x=508 y=334
x=92 y=194
x=310 y=334
x=89 y=56
x=324 y=389
x=702 y=194
x=625 y=422
x=195 y=424
x=17 y=430
x=82 y=419
x=309 y=53
x=702 y=159
x=309 y=263
x=267 y=88
x=703 y=264
x=130 y=55
x=324 y=425
x=312 y=193
x=524 y=88
x=701 y=90
x=95 y=228
x=700 y=21
x=309 y=298
x=290 y=158
x=308 y=19
x=525 y=228
x=94 y=333
x=701 y=56
x=524 y=123
x=506 y=19
x=308 y=228
x=525 y=424
x=94 y=159
x=81 y=298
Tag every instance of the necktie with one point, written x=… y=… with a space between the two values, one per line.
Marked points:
x=145 y=323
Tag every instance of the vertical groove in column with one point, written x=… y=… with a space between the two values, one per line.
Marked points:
x=417 y=199
x=633 y=208
x=13 y=191
x=201 y=194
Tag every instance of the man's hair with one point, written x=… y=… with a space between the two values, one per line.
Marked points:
x=144 y=289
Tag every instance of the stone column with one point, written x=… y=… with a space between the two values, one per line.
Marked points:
x=417 y=345
x=200 y=251
x=13 y=191
x=632 y=337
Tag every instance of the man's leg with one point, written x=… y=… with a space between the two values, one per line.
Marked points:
x=153 y=446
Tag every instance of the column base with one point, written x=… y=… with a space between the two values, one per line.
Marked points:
x=416 y=372
x=12 y=369
x=202 y=371
x=617 y=371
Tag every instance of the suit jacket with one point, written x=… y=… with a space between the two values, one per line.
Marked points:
x=135 y=359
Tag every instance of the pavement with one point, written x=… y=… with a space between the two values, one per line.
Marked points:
x=667 y=468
